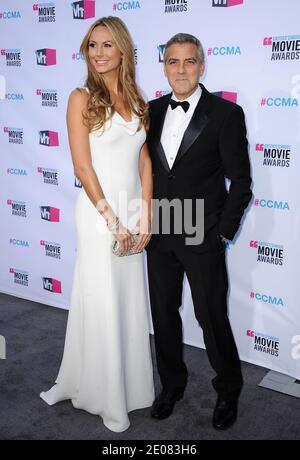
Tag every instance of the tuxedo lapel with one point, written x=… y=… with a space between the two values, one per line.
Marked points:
x=162 y=156
x=158 y=130
x=198 y=122
x=193 y=131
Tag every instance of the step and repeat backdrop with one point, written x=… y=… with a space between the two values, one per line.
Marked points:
x=252 y=58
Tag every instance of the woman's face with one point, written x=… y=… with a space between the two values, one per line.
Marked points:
x=103 y=52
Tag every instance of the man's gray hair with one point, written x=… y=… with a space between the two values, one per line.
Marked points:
x=182 y=38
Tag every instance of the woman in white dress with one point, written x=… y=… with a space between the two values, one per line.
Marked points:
x=106 y=367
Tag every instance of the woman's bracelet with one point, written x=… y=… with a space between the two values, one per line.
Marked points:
x=104 y=209
x=113 y=227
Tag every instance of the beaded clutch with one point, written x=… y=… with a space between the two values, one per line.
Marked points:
x=116 y=248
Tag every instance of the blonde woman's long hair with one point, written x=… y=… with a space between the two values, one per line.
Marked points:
x=99 y=99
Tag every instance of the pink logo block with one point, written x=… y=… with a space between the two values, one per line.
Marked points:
x=256 y=202
x=54 y=214
x=267 y=41
x=234 y=2
x=56 y=286
x=89 y=9
x=8 y=201
x=53 y=139
x=50 y=56
x=39 y=169
x=38 y=92
x=253 y=244
x=35 y=7
x=229 y=96
x=250 y=333
x=252 y=295
x=2 y=52
x=5 y=130
x=259 y=147
x=11 y=270
x=42 y=242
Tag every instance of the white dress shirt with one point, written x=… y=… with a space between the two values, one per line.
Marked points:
x=175 y=124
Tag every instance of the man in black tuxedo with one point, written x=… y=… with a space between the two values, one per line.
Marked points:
x=196 y=139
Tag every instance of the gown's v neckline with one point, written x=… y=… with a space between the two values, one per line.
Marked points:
x=125 y=121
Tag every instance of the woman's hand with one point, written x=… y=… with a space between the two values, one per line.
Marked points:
x=122 y=234
x=125 y=238
x=143 y=229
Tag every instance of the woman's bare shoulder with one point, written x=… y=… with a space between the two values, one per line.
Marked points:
x=79 y=96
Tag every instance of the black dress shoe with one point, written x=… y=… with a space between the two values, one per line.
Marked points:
x=164 y=403
x=225 y=413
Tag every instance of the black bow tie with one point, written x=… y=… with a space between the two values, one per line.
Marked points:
x=184 y=104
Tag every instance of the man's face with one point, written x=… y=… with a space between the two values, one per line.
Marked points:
x=183 y=69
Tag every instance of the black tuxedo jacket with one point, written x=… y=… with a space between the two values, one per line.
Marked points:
x=214 y=146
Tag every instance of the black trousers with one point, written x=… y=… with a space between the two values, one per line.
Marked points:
x=207 y=276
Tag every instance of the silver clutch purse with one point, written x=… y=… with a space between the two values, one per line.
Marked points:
x=116 y=248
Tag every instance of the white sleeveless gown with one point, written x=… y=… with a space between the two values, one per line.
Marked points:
x=106 y=367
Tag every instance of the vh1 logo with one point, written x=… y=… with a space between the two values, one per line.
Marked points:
x=161 y=50
x=227 y=2
x=46 y=56
x=229 y=96
x=84 y=9
x=49 y=138
x=52 y=285
x=77 y=182
x=49 y=213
